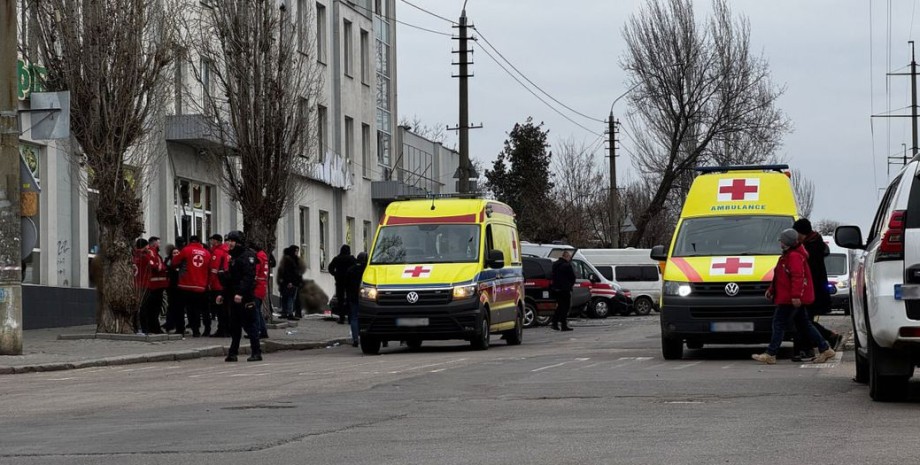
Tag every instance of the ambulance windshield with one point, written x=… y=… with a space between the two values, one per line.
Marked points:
x=427 y=243
x=730 y=235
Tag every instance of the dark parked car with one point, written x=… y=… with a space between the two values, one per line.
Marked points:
x=539 y=304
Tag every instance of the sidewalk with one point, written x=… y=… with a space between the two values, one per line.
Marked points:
x=74 y=347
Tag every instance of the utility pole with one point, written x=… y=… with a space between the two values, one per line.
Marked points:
x=913 y=103
x=464 y=170
x=614 y=194
x=10 y=264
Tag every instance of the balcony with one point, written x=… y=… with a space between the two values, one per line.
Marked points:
x=198 y=131
x=333 y=171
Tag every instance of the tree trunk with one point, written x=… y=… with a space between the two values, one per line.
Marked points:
x=654 y=209
x=114 y=272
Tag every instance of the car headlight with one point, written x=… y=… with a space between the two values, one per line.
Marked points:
x=842 y=285
x=464 y=292
x=368 y=292
x=677 y=288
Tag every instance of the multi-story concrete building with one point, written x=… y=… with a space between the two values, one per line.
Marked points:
x=364 y=161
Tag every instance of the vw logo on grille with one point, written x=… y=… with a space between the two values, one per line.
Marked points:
x=412 y=297
x=732 y=289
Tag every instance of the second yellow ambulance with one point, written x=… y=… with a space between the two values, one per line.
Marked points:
x=721 y=258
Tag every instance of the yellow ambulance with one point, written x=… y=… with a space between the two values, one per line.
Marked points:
x=721 y=258
x=443 y=268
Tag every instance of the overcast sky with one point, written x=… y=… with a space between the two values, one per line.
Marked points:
x=831 y=55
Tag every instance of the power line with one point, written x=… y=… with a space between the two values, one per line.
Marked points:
x=407 y=2
x=391 y=18
x=500 y=65
x=534 y=84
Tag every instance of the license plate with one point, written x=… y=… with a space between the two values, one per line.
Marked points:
x=731 y=326
x=412 y=322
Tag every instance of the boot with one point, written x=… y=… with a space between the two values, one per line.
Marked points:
x=567 y=328
x=765 y=358
x=825 y=356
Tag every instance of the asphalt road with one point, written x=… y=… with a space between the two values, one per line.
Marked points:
x=600 y=394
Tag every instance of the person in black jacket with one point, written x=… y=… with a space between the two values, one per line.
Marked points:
x=563 y=282
x=338 y=268
x=353 y=279
x=239 y=288
x=290 y=280
x=817 y=250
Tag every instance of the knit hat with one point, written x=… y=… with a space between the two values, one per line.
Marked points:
x=802 y=226
x=789 y=237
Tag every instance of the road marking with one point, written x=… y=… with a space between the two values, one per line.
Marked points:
x=688 y=365
x=550 y=366
x=728 y=366
x=60 y=379
x=249 y=374
x=438 y=370
x=639 y=359
x=585 y=359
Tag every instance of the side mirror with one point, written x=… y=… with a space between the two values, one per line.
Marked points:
x=496 y=259
x=594 y=279
x=658 y=254
x=849 y=237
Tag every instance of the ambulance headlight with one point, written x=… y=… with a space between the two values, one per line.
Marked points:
x=369 y=292
x=677 y=288
x=842 y=285
x=464 y=292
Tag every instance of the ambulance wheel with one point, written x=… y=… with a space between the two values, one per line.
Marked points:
x=672 y=348
x=370 y=345
x=515 y=336
x=414 y=344
x=643 y=306
x=480 y=340
x=600 y=308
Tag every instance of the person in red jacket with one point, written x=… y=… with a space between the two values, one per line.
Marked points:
x=194 y=282
x=790 y=291
x=150 y=280
x=220 y=263
x=261 y=291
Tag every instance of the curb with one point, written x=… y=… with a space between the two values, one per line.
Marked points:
x=268 y=346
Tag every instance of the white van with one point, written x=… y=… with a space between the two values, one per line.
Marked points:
x=632 y=268
x=607 y=297
x=837 y=263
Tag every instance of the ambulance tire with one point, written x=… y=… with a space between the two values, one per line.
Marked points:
x=480 y=340
x=370 y=345
x=672 y=348
x=599 y=308
x=643 y=306
x=515 y=336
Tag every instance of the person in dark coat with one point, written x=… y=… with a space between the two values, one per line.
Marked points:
x=290 y=280
x=338 y=268
x=563 y=282
x=354 y=277
x=175 y=315
x=817 y=250
x=239 y=289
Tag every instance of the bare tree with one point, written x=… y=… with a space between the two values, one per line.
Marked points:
x=267 y=87
x=433 y=133
x=804 y=191
x=825 y=227
x=579 y=188
x=111 y=56
x=699 y=95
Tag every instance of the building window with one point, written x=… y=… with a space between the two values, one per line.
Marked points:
x=207 y=86
x=321 y=132
x=350 y=233
x=365 y=150
x=347 y=48
x=304 y=225
x=349 y=141
x=323 y=239
x=193 y=209
x=320 y=33
x=367 y=236
x=365 y=57
x=383 y=148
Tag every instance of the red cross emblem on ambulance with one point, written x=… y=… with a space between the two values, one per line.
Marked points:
x=416 y=272
x=740 y=189
x=724 y=266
